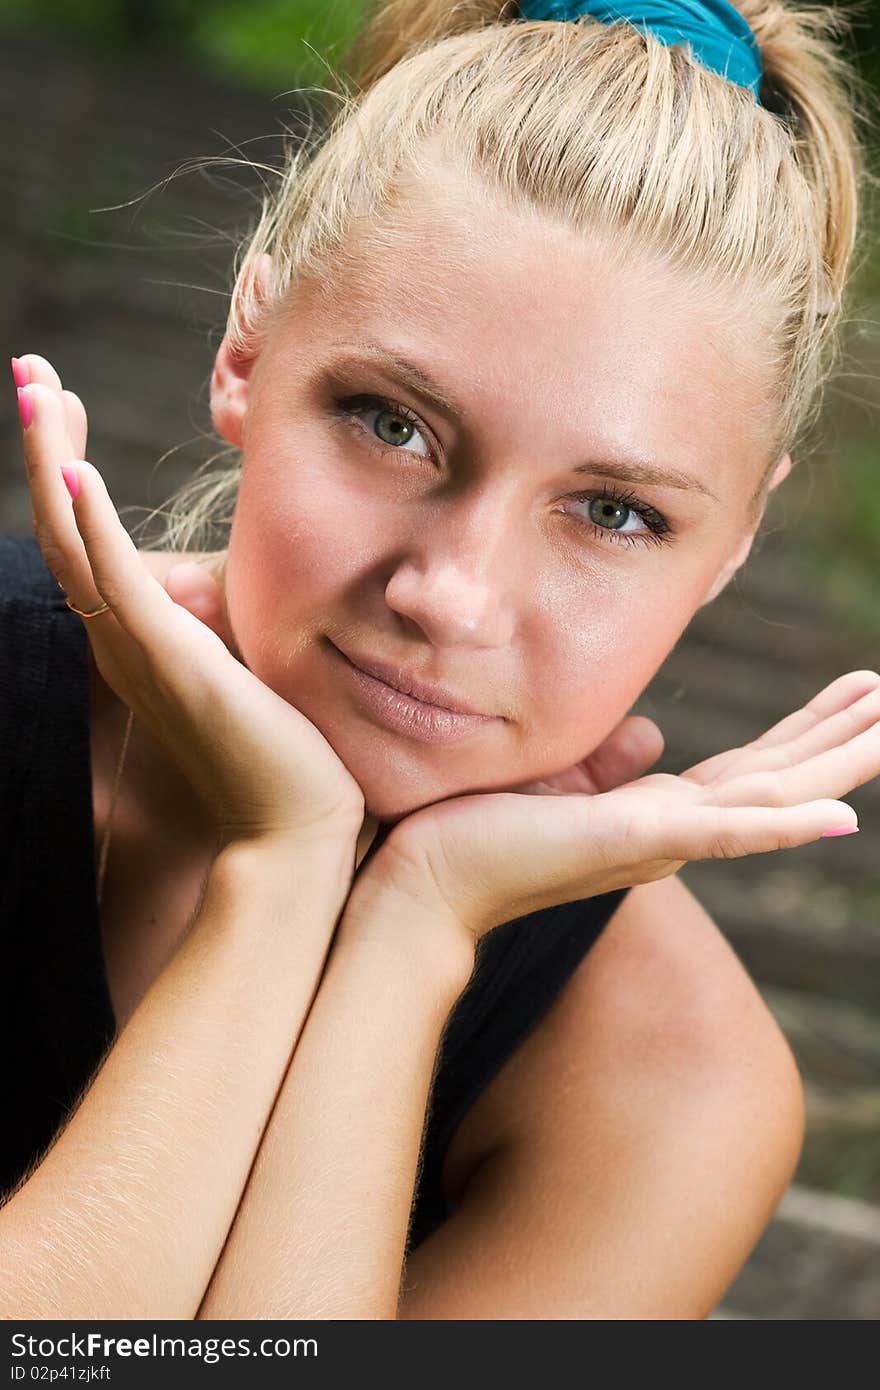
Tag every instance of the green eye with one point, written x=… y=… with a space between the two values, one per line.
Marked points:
x=609 y=511
x=393 y=425
x=399 y=431
x=603 y=509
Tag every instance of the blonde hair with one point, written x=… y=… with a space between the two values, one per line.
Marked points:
x=595 y=126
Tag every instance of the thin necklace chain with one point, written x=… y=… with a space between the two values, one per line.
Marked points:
x=105 y=843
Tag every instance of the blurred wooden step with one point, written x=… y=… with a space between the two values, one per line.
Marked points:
x=836 y=1043
x=794 y=927
x=818 y=1259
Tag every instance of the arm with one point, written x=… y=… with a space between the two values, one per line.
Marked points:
x=322 y=1227
x=642 y=1135
x=154 y=1159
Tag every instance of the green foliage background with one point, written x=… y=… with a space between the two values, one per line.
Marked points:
x=259 y=42
x=266 y=41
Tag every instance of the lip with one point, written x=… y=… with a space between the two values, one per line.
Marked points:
x=434 y=696
x=404 y=714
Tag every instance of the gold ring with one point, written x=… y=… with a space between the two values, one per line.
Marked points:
x=94 y=613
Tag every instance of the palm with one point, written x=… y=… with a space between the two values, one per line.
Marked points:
x=494 y=856
x=634 y=745
x=258 y=766
x=491 y=857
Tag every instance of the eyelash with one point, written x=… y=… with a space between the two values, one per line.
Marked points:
x=659 y=531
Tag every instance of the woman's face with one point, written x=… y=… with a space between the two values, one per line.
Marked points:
x=516 y=546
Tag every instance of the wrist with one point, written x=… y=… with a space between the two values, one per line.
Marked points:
x=417 y=923
x=314 y=865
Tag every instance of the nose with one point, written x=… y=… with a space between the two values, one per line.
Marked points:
x=455 y=578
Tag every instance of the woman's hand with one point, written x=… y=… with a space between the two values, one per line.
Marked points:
x=628 y=751
x=488 y=858
x=259 y=767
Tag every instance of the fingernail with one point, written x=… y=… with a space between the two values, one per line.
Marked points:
x=71 y=479
x=20 y=372
x=25 y=408
x=842 y=830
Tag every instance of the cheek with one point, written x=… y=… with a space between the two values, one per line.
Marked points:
x=588 y=678
x=291 y=561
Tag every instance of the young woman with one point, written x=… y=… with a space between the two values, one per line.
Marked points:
x=513 y=359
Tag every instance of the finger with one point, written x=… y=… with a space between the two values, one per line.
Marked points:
x=118 y=576
x=693 y=833
x=710 y=832
x=632 y=747
x=83 y=540
x=34 y=368
x=45 y=444
x=836 y=698
x=829 y=733
x=38 y=369
x=77 y=424
x=626 y=831
x=192 y=586
x=837 y=772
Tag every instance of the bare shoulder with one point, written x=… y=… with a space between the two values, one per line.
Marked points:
x=660 y=999
x=628 y=1156
x=665 y=964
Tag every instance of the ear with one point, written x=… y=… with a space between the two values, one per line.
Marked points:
x=230 y=380
x=783 y=468
x=723 y=578
x=739 y=557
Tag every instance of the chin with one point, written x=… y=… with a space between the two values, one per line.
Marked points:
x=393 y=791
x=390 y=800
x=390 y=804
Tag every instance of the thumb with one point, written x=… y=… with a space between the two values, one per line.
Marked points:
x=194 y=588
x=627 y=753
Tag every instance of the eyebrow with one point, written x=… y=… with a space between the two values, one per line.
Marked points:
x=408 y=372
x=644 y=471
x=632 y=469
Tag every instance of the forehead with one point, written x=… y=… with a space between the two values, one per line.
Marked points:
x=525 y=322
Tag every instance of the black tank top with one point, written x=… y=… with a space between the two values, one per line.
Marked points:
x=56 y=1013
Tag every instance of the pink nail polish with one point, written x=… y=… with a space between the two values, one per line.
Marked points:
x=20 y=372
x=71 y=479
x=842 y=830
x=25 y=408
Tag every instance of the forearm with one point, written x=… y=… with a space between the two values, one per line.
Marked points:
x=126 y=1215
x=322 y=1227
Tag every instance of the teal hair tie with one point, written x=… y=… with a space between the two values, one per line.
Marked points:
x=718 y=35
